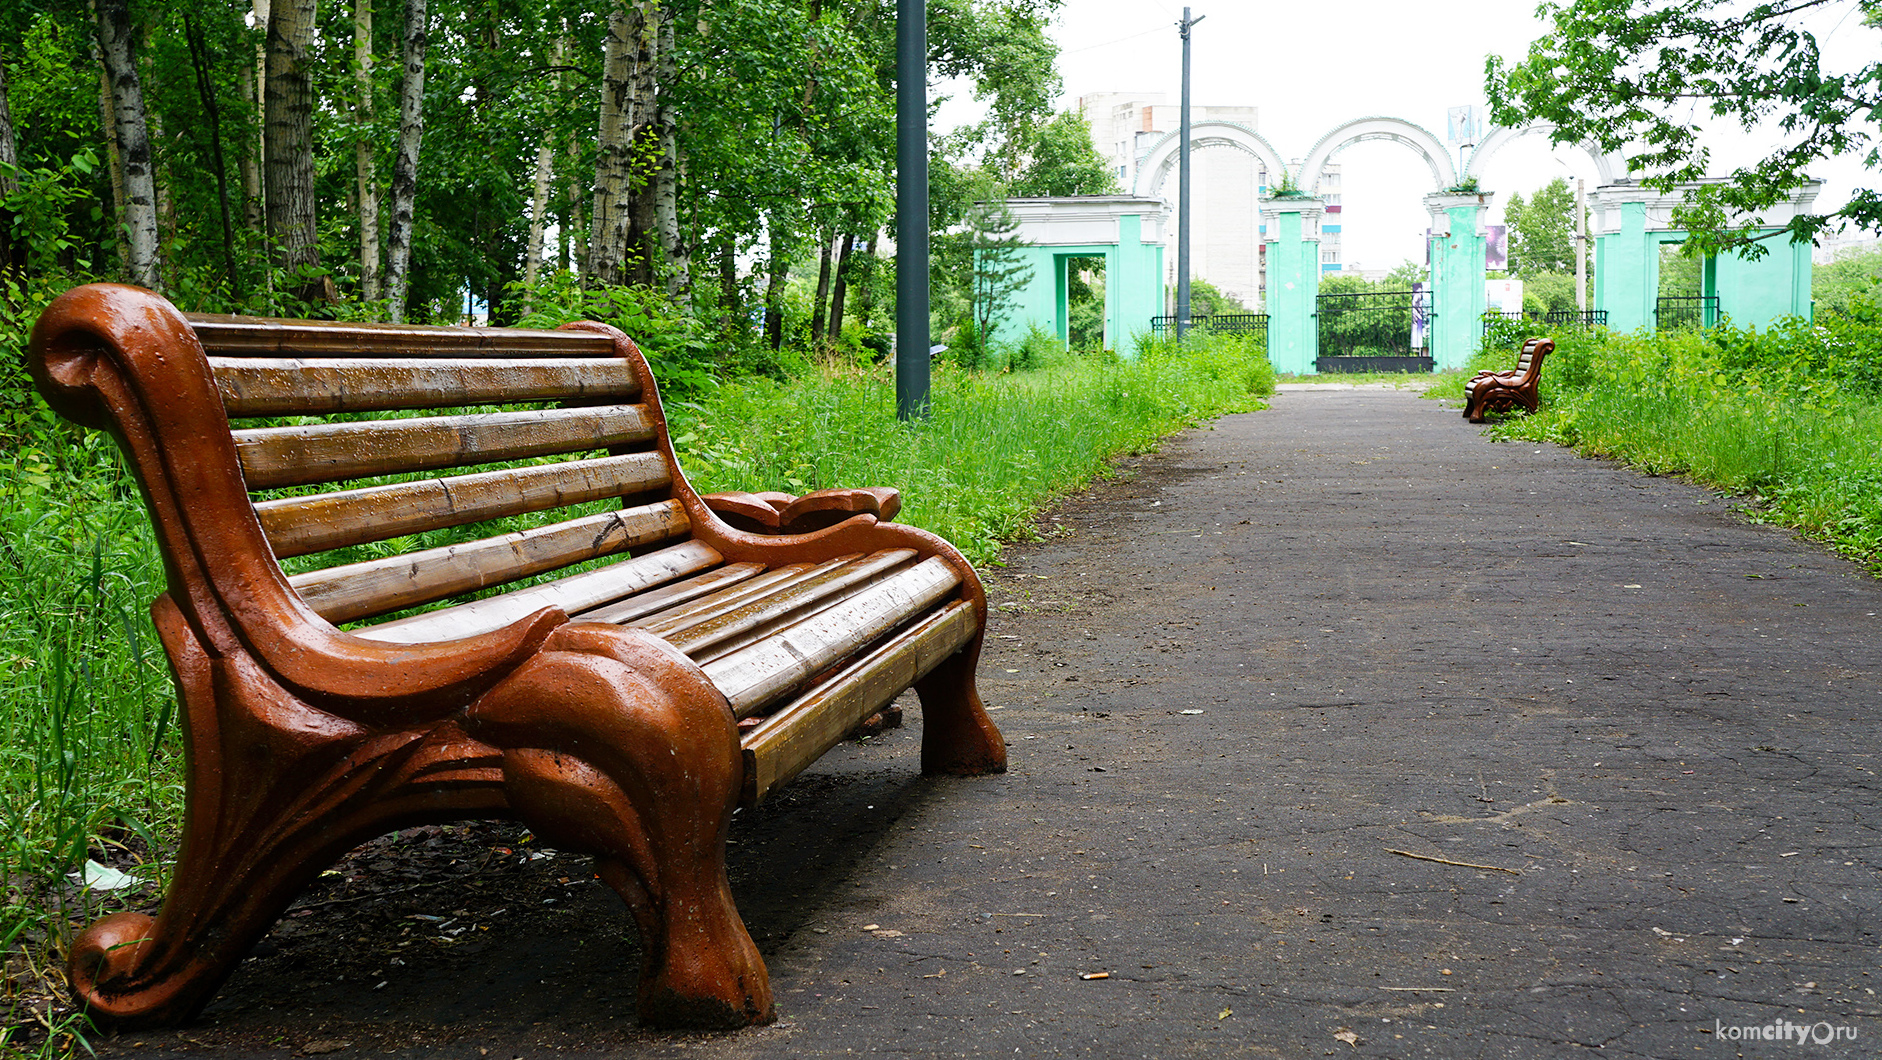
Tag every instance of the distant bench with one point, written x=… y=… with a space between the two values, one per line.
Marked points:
x=1506 y=391
x=694 y=653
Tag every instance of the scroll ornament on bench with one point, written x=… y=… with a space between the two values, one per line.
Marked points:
x=600 y=708
x=1494 y=392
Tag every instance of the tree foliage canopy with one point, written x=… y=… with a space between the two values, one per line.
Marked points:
x=1642 y=79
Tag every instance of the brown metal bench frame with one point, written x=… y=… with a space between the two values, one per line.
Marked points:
x=1496 y=392
x=304 y=740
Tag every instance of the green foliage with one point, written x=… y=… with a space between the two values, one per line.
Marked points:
x=1206 y=299
x=684 y=358
x=1648 y=79
x=1788 y=416
x=1852 y=275
x=1551 y=291
x=1063 y=161
x=1542 y=230
x=1000 y=267
x=1404 y=275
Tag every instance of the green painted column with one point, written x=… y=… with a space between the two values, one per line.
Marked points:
x=1627 y=276
x=1124 y=231
x=1293 y=282
x=1459 y=250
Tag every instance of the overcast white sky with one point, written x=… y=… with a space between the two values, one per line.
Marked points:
x=1312 y=66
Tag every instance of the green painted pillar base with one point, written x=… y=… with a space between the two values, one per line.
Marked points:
x=1293 y=226
x=1458 y=254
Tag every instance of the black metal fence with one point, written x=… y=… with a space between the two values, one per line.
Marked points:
x=1685 y=311
x=1586 y=319
x=1365 y=324
x=1219 y=323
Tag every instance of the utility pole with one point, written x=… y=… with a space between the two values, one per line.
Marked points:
x=1581 y=246
x=911 y=209
x=1182 y=192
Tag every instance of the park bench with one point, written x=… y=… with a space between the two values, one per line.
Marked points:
x=692 y=654
x=1492 y=392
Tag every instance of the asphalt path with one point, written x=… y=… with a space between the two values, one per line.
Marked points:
x=1336 y=729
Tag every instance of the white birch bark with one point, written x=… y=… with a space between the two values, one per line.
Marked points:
x=405 y=168
x=132 y=137
x=364 y=161
x=614 y=148
x=666 y=189
x=539 y=193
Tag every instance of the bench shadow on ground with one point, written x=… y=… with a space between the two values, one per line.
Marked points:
x=471 y=933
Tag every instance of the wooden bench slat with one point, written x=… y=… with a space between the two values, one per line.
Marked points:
x=374 y=587
x=668 y=595
x=675 y=618
x=333 y=452
x=800 y=732
x=572 y=594
x=773 y=667
x=254 y=386
x=772 y=607
x=221 y=334
x=297 y=526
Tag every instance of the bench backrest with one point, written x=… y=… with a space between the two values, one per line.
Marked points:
x=1534 y=350
x=369 y=449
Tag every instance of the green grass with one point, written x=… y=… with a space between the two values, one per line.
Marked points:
x=90 y=760
x=1787 y=418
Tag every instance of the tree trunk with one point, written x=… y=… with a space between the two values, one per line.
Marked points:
x=610 y=244
x=12 y=254
x=778 y=267
x=254 y=196
x=199 y=62
x=666 y=184
x=363 y=160
x=288 y=135
x=729 y=309
x=132 y=137
x=866 y=303
x=405 y=167
x=842 y=288
x=823 y=289
x=539 y=193
x=574 y=247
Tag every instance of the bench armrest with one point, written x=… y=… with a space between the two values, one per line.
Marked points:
x=781 y=513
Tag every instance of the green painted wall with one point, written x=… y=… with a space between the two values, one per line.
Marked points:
x=1457 y=267
x=1133 y=288
x=1293 y=285
x=1751 y=293
x=1759 y=293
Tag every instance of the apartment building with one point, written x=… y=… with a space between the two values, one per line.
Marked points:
x=1227 y=239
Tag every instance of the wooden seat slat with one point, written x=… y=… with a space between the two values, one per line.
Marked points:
x=669 y=595
x=254 y=386
x=773 y=607
x=221 y=334
x=377 y=586
x=572 y=594
x=772 y=668
x=334 y=452
x=673 y=618
x=297 y=526
x=801 y=731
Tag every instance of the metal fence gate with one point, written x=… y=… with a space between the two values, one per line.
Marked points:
x=1375 y=331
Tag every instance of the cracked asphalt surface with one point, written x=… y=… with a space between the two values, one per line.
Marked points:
x=1336 y=729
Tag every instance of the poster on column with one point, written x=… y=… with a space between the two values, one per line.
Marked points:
x=1421 y=314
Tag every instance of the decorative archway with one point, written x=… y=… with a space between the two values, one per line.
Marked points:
x=1397 y=130
x=1156 y=166
x=1609 y=168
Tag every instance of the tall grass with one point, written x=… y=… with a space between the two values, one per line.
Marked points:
x=995 y=449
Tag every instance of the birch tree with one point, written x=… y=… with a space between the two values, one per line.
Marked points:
x=405 y=167
x=12 y=255
x=363 y=154
x=131 y=134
